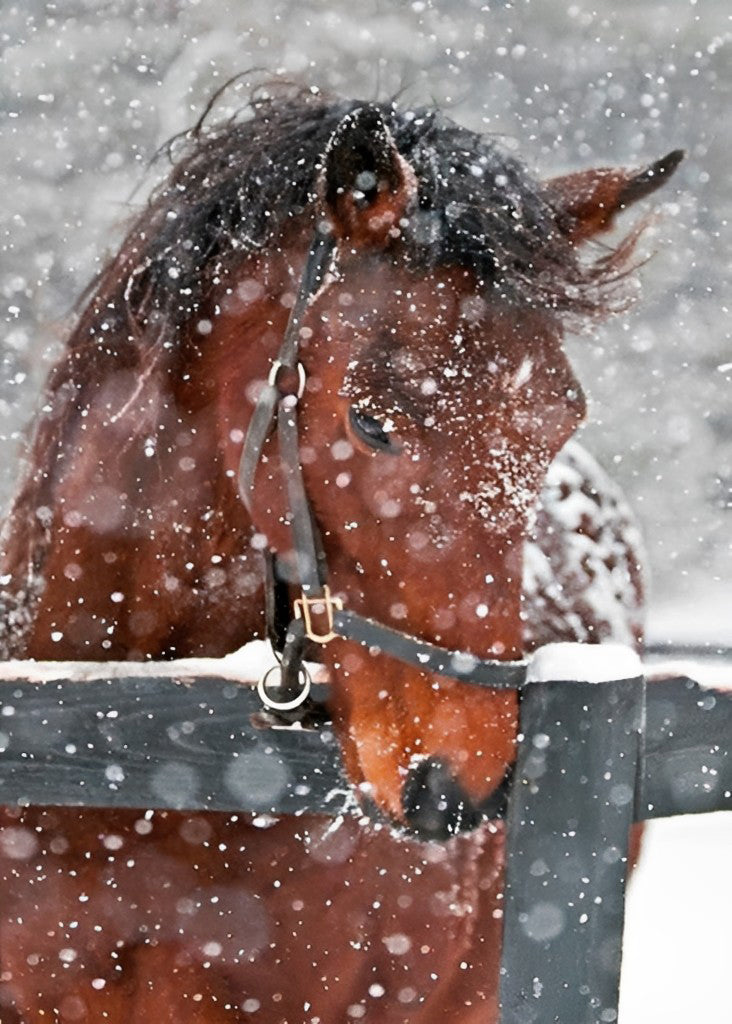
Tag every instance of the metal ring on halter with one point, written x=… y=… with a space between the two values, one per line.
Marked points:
x=284 y=705
x=277 y=365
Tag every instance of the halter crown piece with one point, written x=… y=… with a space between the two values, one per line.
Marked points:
x=276 y=405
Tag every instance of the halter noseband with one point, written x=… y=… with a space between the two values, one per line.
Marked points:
x=280 y=406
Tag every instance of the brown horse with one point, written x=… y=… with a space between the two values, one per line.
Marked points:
x=436 y=398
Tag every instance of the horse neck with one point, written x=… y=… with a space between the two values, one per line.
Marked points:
x=126 y=532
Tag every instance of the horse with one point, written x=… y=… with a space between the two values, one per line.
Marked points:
x=399 y=287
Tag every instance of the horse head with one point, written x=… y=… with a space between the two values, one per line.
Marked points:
x=435 y=395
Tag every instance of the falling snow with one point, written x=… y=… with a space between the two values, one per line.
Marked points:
x=92 y=91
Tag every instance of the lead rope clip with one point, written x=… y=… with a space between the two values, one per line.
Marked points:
x=284 y=705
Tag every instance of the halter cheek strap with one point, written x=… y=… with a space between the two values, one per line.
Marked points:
x=318 y=258
x=316 y=600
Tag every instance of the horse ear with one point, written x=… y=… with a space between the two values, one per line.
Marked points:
x=367 y=186
x=588 y=201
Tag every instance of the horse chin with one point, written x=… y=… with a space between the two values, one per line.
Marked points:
x=436 y=807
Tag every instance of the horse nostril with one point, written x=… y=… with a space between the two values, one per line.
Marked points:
x=435 y=804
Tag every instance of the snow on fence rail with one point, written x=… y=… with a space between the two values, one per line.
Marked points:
x=599 y=749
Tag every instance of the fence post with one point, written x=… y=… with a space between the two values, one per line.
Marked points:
x=570 y=810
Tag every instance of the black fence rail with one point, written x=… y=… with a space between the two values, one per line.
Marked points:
x=593 y=758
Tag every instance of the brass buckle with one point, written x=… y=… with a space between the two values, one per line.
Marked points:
x=323 y=603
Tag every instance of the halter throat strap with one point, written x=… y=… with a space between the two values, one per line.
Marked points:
x=316 y=600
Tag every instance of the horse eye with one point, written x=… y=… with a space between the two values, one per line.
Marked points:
x=371 y=432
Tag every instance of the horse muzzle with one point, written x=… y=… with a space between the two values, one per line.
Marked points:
x=436 y=807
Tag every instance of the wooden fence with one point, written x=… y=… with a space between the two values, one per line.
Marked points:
x=593 y=758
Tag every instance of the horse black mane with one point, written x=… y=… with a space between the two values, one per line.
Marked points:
x=235 y=187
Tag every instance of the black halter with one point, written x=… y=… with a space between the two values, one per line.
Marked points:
x=276 y=404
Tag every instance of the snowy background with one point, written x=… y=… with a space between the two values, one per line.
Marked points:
x=91 y=88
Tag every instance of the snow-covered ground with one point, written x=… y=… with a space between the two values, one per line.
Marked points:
x=677 y=948
x=92 y=87
x=704 y=617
